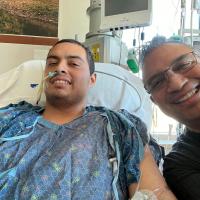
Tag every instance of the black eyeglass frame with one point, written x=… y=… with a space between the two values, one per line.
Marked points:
x=164 y=72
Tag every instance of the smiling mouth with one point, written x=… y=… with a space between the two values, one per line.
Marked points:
x=188 y=95
x=62 y=82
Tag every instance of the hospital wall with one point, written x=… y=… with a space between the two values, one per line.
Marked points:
x=72 y=21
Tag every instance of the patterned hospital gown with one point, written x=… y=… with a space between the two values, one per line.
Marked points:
x=41 y=160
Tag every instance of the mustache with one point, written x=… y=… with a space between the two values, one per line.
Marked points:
x=52 y=75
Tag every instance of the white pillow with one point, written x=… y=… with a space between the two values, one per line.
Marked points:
x=115 y=88
x=21 y=83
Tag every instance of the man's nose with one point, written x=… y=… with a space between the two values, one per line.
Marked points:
x=62 y=66
x=176 y=81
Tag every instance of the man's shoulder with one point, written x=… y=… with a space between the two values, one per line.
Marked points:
x=16 y=111
x=122 y=119
x=17 y=117
x=21 y=106
x=186 y=139
x=185 y=149
x=120 y=112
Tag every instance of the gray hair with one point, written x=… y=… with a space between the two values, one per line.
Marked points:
x=156 y=42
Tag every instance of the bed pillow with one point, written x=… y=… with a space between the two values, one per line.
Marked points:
x=116 y=88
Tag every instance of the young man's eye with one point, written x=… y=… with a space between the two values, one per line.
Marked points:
x=52 y=63
x=75 y=64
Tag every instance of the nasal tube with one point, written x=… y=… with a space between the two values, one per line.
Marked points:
x=50 y=75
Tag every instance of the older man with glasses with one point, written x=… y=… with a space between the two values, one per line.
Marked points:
x=171 y=75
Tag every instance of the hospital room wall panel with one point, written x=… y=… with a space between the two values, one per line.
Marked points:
x=72 y=21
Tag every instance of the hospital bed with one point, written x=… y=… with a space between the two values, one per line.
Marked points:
x=116 y=88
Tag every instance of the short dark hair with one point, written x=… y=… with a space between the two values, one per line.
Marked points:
x=90 y=59
x=156 y=42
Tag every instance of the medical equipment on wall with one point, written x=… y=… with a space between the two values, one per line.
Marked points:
x=132 y=61
x=120 y=14
x=106 y=47
x=190 y=35
x=107 y=20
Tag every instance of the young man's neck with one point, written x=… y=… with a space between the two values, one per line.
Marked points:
x=62 y=114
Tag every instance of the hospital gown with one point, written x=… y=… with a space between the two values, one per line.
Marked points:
x=42 y=160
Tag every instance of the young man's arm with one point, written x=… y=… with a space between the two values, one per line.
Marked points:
x=151 y=179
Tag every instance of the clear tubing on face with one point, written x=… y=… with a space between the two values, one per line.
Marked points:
x=50 y=75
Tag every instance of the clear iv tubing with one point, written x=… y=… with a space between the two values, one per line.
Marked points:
x=50 y=75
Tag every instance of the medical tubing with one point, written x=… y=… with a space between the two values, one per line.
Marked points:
x=2 y=139
x=50 y=75
x=135 y=88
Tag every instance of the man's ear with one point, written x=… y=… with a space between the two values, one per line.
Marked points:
x=93 y=79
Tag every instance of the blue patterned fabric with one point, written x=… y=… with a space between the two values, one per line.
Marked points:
x=42 y=160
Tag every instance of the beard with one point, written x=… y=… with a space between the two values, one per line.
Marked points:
x=64 y=101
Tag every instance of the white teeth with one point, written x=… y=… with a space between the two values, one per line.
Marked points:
x=60 y=82
x=187 y=96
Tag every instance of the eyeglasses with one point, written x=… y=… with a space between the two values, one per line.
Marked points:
x=181 y=65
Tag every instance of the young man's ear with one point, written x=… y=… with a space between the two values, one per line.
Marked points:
x=93 y=79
